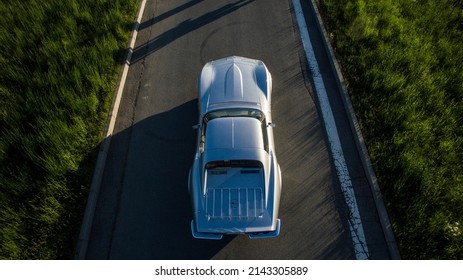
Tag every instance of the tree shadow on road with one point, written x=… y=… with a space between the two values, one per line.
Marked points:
x=182 y=29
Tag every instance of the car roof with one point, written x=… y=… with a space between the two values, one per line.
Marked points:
x=234 y=133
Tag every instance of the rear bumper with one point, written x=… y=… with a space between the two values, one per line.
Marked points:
x=266 y=234
x=203 y=235
x=251 y=235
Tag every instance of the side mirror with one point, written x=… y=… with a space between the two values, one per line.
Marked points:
x=196 y=126
x=271 y=124
x=201 y=147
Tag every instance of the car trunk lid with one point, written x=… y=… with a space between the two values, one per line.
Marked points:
x=234 y=193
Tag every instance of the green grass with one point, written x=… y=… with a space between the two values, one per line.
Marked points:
x=402 y=60
x=59 y=62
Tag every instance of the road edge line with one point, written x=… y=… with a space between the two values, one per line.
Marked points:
x=342 y=172
x=84 y=235
x=360 y=142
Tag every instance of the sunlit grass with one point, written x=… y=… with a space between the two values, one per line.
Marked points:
x=59 y=62
x=402 y=60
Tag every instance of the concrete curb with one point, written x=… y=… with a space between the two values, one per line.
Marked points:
x=85 y=230
x=360 y=143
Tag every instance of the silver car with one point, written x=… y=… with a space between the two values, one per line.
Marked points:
x=235 y=180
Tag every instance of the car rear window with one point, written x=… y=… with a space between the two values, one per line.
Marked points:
x=234 y=164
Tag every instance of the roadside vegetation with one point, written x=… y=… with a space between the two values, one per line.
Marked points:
x=59 y=63
x=402 y=60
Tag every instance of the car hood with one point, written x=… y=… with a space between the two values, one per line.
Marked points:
x=233 y=82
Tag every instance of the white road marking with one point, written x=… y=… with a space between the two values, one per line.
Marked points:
x=85 y=229
x=355 y=222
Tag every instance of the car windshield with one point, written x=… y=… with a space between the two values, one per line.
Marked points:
x=234 y=113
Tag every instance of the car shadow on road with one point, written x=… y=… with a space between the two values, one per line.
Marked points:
x=153 y=214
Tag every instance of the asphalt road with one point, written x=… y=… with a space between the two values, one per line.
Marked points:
x=143 y=209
